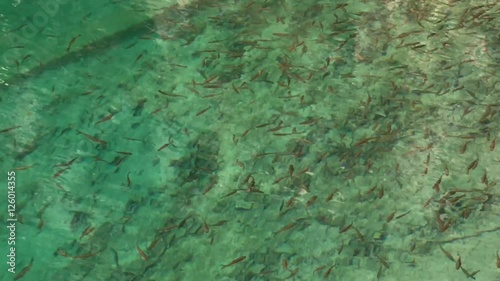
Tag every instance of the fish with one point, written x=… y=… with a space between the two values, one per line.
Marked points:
x=346 y=228
x=391 y=216
x=363 y=141
x=285 y=228
x=235 y=261
x=341 y=248
x=72 y=41
x=447 y=254
x=9 y=129
x=358 y=233
x=469 y=274
x=24 y=271
x=472 y=165
x=330 y=196
x=154 y=243
x=437 y=183
x=327 y=273
x=311 y=201
x=87 y=231
x=138 y=57
x=58 y=173
x=120 y=160
x=163 y=146
x=166 y=229
x=170 y=94
x=381 y=193
x=105 y=118
x=458 y=264
x=383 y=261
x=141 y=253
x=211 y=185
x=22 y=168
x=290 y=170
x=498 y=260
x=203 y=111
x=129 y=182
x=69 y=163
x=124 y=152
x=87 y=255
x=92 y=138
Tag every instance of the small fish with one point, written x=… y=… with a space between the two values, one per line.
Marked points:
x=484 y=178
x=458 y=264
x=138 y=58
x=363 y=141
x=60 y=186
x=235 y=261
x=9 y=129
x=330 y=196
x=71 y=42
x=67 y=163
x=437 y=183
x=220 y=223
x=92 y=138
x=472 y=165
x=129 y=182
x=193 y=90
x=206 y=227
x=105 y=118
x=413 y=245
x=341 y=248
x=40 y=223
x=311 y=201
x=346 y=228
x=153 y=243
x=62 y=253
x=358 y=233
x=447 y=254
x=203 y=111
x=329 y=271
x=141 y=253
x=402 y=215
x=245 y=133
x=290 y=170
x=24 y=271
x=22 y=168
x=131 y=45
x=381 y=193
x=119 y=161
x=163 y=146
x=87 y=231
x=498 y=260
x=428 y=159
x=87 y=93
x=464 y=147
x=166 y=229
x=285 y=228
x=58 y=173
x=279 y=34
x=284 y=263
x=87 y=255
x=170 y=95
x=469 y=274
x=391 y=216
x=383 y=261
x=211 y=185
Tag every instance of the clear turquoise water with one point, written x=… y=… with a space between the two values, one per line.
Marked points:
x=255 y=140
